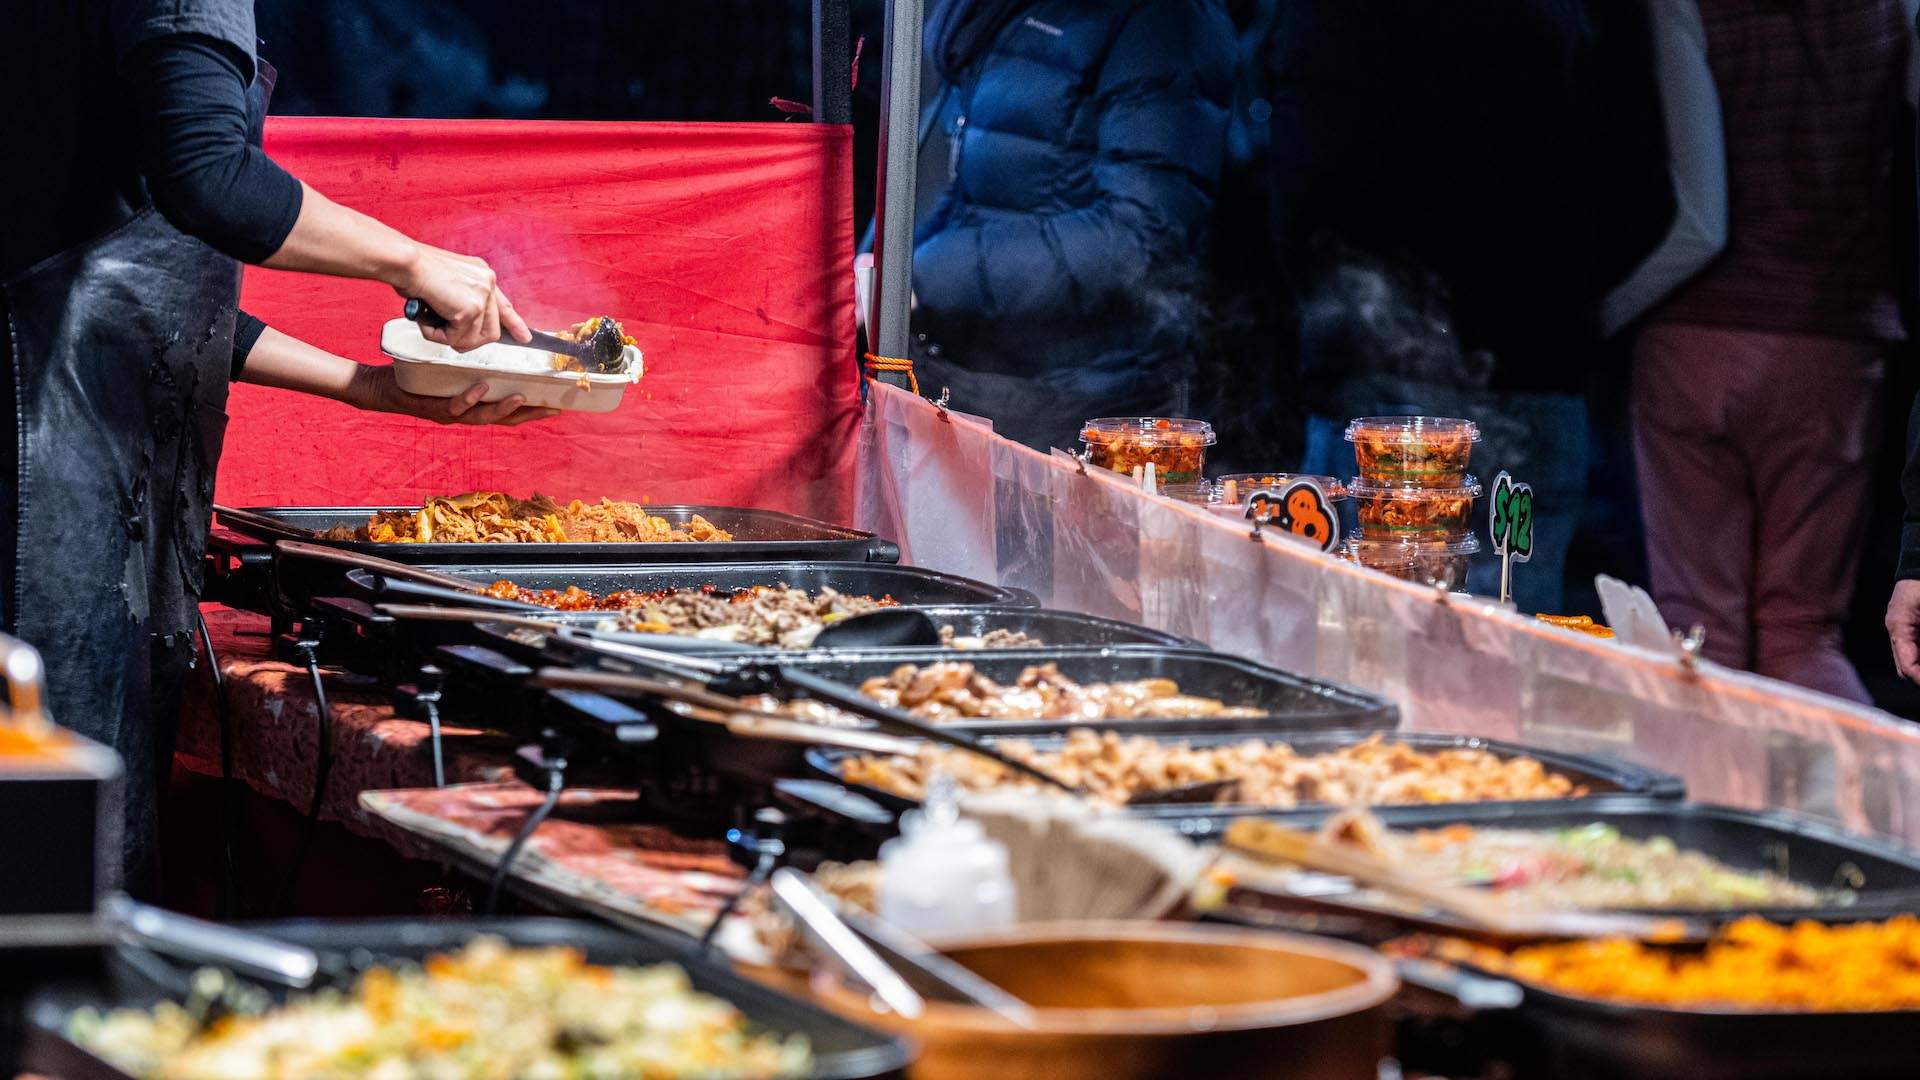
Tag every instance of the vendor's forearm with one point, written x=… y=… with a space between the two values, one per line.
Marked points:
x=288 y=363
x=328 y=238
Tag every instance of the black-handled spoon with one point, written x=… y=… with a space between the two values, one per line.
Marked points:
x=601 y=352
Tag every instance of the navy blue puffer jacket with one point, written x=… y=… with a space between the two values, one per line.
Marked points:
x=1059 y=277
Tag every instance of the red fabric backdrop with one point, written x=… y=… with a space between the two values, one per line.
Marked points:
x=724 y=248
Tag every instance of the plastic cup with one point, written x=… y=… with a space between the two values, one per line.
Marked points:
x=1235 y=487
x=1413 y=451
x=1425 y=562
x=1177 y=448
x=1414 y=513
x=1199 y=493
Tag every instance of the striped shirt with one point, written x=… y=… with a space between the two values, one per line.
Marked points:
x=1809 y=90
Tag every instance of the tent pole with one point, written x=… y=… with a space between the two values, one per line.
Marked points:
x=894 y=194
x=832 y=62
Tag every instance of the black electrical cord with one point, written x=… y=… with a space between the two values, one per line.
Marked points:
x=765 y=843
x=556 y=782
x=762 y=870
x=309 y=650
x=430 y=704
x=229 y=796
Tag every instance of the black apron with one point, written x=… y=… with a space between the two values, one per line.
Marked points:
x=122 y=349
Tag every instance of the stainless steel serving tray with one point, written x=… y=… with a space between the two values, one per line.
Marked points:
x=843 y=1049
x=1601 y=777
x=1288 y=703
x=759 y=536
x=1884 y=877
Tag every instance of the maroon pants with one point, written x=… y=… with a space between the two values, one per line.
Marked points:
x=1754 y=452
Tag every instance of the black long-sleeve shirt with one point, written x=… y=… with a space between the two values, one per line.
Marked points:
x=202 y=171
x=191 y=138
x=130 y=103
x=166 y=125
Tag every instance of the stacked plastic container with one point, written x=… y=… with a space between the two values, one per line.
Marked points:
x=1414 y=497
x=1176 y=447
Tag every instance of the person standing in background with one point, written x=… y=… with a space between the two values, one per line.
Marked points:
x=1758 y=387
x=1060 y=276
x=1454 y=188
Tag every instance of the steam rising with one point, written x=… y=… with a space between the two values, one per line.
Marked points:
x=1360 y=316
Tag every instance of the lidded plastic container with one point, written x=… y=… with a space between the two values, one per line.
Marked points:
x=1413 y=451
x=1425 y=562
x=1414 y=513
x=1235 y=487
x=943 y=874
x=1177 y=447
x=1199 y=493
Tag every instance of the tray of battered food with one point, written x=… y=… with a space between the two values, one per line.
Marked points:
x=1138 y=688
x=490 y=527
x=519 y=997
x=1309 y=770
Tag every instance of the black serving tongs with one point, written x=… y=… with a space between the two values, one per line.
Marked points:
x=603 y=352
x=753 y=675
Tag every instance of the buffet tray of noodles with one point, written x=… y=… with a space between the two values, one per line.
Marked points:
x=492 y=527
x=519 y=997
x=1303 y=772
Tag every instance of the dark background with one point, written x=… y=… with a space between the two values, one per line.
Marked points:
x=725 y=60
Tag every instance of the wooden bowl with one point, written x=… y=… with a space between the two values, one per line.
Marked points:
x=1114 y=1001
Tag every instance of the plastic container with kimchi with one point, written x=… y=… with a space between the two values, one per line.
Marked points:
x=1177 y=448
x=1410 y=513
x=1426 y=562
x=1413 y=451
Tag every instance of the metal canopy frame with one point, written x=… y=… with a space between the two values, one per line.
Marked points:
x=888 y=320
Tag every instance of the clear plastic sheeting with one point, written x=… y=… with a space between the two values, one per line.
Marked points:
x=960 y=499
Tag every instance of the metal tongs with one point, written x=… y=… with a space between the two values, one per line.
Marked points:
x=605 y=351
x=901 y=971
x=247 y=954
x=1273 y=842
x=754 y=675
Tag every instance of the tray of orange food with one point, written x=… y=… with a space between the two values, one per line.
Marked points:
x=1762 y=999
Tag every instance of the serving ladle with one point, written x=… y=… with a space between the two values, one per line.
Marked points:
x=601 y=352
x=886 y=628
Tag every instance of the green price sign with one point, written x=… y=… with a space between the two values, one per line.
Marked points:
x=1512 y=518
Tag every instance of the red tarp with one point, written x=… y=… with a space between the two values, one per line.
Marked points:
x=725 y=249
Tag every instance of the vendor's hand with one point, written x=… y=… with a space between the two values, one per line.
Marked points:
x=375 y=390
x=462 y=290
x=1903 y=624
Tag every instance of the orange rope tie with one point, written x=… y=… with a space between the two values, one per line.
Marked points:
x=902 y=365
